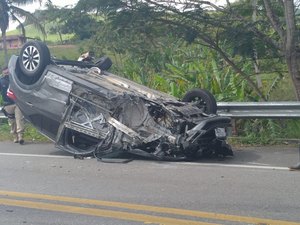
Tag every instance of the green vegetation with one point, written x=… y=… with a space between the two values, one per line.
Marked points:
x=266 y=131
x=10 y=53
x=33 y=33
x=4 y=130
x=70 y=52
x=31 y=134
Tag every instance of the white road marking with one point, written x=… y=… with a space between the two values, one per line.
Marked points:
x=239 y=166
x=36 y=155
x=258 y=164
x=182 y=163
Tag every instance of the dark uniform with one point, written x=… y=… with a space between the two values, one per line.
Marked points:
x=11 y=110
x=4 y=83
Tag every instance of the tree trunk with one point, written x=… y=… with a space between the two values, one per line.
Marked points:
x=60 y=37
x=255 y=57
x=5 y=47
x=290 y=50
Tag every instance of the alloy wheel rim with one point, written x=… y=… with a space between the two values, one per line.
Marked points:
x=31 y=58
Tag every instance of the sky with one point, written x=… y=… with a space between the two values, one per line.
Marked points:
x=32 y=7
x=62 y=3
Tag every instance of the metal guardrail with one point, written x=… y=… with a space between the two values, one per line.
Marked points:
x=255 y=109
x=259 y=109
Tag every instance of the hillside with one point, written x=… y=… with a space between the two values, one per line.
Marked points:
x=32 y=32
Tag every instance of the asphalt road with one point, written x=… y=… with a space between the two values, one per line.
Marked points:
x=42 y=185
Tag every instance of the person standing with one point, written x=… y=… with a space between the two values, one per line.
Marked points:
x=12 y=111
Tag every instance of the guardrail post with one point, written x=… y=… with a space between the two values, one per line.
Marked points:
x=233 y=130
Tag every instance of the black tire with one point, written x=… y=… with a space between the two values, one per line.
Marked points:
x=203 y=98
x=104 y=63
x=34 y=57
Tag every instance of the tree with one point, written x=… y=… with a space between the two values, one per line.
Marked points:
x=279 y=19
x=228 y=30
x=82 y=24
x=10 y=10
x=276 y=29
x=286 y=30
x=55 y=15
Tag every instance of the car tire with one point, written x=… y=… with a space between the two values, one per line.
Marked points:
x=103 y=63
x=203 y=98
x=34 y=57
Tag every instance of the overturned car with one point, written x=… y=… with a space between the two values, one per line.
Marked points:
x=86 y=110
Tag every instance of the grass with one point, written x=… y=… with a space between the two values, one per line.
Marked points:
x=31 y=134
x=10 y=53
x=4 y=130
x=32 y=32
x=70 y=52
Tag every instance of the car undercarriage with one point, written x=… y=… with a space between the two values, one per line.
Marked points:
x=86 y=110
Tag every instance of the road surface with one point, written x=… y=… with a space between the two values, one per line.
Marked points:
x=42 y=185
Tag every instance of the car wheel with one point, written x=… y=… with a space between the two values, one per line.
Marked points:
x=34 y=57
x=203 y=99
x=104 y=63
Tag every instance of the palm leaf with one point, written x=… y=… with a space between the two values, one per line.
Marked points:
x=4 y=16
x=24 y=2
x=16 y=11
